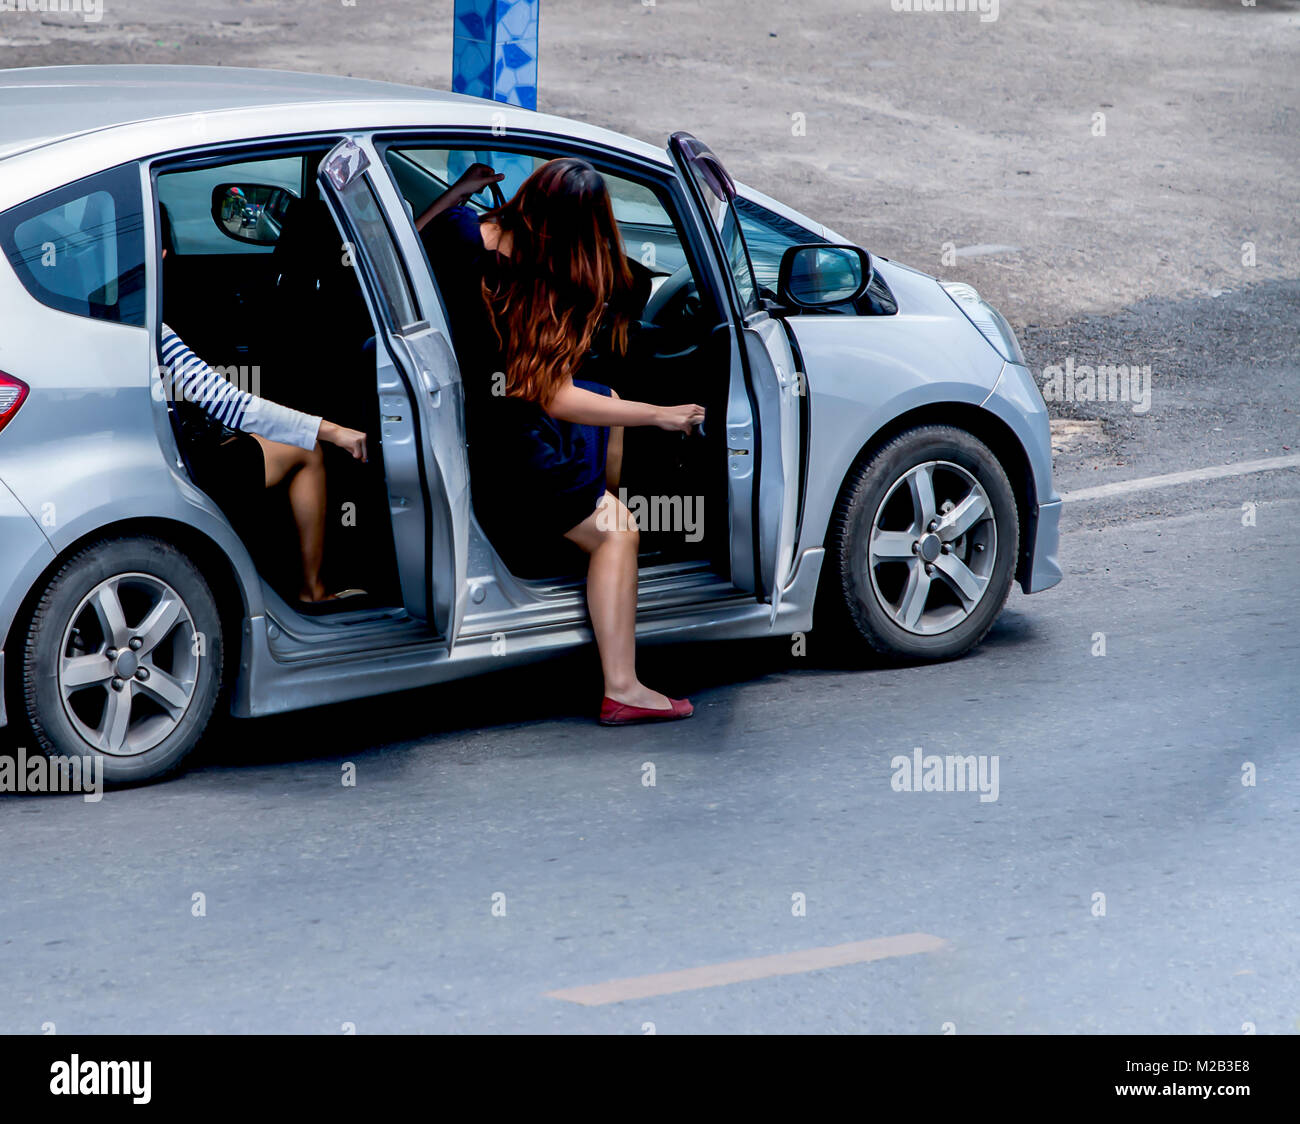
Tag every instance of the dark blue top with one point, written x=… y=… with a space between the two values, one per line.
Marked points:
x=533 y=477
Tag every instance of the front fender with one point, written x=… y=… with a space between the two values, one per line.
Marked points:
x=1017 y=401
x=864 y=372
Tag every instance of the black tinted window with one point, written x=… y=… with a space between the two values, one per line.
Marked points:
x=80 y=248
x=367 y=216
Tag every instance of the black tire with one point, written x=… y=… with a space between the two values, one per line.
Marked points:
x=134 y=567
x=864 y=610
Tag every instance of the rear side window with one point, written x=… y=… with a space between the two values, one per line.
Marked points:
x=80 y=248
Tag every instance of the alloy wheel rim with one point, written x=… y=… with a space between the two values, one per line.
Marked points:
x=932 y=548
x=128 y=665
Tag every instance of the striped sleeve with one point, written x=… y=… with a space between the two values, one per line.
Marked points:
x=192 y=380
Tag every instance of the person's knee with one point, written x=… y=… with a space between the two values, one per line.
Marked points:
x=616 y=526
x=296 y=459
x=625 y=530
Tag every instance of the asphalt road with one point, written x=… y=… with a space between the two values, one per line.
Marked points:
x=373 y=905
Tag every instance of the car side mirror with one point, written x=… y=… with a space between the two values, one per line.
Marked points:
x=821 y=275
x=250 y=212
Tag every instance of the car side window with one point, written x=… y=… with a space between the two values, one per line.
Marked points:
x=80 y=247
x=367 y=214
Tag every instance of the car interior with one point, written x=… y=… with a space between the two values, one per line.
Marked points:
x=258 y=285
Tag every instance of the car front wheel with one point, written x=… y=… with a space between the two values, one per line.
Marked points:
x=123 y=658
x=924 y=543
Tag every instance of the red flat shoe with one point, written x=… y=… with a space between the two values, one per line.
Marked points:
x=614 y=713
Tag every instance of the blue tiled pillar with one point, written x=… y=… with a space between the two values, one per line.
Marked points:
x=494 y=51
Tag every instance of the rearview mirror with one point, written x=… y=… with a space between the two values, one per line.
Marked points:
x=250 y=212
x=822 y=275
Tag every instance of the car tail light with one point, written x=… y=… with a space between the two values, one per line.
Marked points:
x=12 y=393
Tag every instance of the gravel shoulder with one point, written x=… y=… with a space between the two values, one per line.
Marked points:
x=916 y=133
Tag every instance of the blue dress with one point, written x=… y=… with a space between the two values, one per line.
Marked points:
x=533 y=477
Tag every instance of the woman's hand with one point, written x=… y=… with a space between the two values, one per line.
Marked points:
x=474 y=179
x=680 y=418
x=351 y=440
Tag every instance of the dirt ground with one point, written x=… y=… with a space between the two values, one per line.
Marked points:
x=920 y=130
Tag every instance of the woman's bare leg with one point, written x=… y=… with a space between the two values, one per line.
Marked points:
x=609 y=536
x=305 y=470
x=614 y=456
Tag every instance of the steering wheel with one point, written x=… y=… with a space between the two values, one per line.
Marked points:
x=494 y=190
x=672 y=291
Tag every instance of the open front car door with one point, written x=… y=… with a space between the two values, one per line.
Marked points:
x=763 y=413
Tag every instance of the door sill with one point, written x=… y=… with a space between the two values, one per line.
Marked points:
x=294 y=636
x=661 y=590
x=558 y=604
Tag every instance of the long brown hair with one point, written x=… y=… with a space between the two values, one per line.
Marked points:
x=566 y=275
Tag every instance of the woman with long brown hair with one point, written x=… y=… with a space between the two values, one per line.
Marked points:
x=531 y=288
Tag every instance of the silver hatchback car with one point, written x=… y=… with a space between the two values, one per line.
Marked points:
x=875 y=454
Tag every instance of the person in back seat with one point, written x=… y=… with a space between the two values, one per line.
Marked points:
x=241 y=444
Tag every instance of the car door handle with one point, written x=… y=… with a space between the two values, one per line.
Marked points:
x=431 y=387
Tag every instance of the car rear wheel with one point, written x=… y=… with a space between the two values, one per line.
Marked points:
x=924 y=543
x=123 y=658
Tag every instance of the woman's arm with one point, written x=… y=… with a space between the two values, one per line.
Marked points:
x=475 y=178
x=584 y=407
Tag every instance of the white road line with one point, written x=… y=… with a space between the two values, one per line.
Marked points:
x=1169 y=479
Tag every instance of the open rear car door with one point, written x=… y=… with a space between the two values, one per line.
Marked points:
x=421 y=403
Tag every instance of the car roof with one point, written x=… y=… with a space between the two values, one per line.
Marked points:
x=86 y=118
x=49 y=103
x=58 y=123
